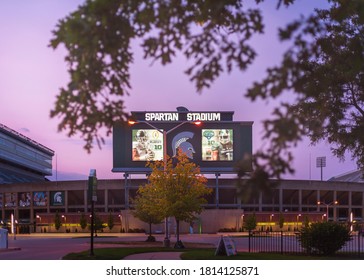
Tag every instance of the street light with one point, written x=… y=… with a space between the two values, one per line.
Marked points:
x=271 y=217
x=242 y=222
x=166 y=241
x=40 y=220
x=121 y=222
x=298 y=217
x=327 y=207
x=65 y=220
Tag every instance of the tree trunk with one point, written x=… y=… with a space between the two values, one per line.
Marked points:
x=179 y=244
x=150 y=238
x=177 y=230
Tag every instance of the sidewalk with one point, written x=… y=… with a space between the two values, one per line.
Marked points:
x=9 y=249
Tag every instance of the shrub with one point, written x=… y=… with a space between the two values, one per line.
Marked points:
x=136 y=230
x=324 y=238
x=57 y=221
x=83 y=221
x=250 y=222
x=227 y=230
x=110 y=221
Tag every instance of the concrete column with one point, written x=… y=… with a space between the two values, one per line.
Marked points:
x=106 y=200
x=48 y=194
x=217 y=190
x=3 y=209
x=32 y=219
x=362 y=205
x=300 y=200
x=85 y=199
x=66 y=201
x=260 y=202
x=350 y=204
x=126 y=190
x=334 y=207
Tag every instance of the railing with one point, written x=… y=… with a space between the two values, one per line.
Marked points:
x=287 y=243
x=274 y=242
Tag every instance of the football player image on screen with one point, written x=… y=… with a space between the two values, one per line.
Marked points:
x=217 y=145
x=147 y=145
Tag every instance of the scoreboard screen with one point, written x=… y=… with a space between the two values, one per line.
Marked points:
x=147 y=145
x=215 y=146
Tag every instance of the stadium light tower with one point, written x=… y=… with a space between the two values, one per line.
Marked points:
x=166 y=241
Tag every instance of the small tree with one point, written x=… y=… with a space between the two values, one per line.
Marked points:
x=147 y=207
x=307 y=221
x=281 y=221
x=57 y=221
x=110 y=221
x=98 y=224
x=250 y=222
x=83 y=221
x=181 y=189
x=324 y=238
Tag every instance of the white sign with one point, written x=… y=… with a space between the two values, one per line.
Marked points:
x=226 y=247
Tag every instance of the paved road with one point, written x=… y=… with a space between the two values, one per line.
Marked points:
x=55 y=246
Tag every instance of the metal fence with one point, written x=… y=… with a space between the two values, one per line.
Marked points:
x=287 y=243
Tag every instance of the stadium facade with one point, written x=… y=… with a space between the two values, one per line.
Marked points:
x=22 y=159
x=296 y=200
x=217 y=146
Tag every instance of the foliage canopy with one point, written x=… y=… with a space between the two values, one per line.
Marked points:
x=321 y=73
x=180 y=187
x=176 y=189
x=213 y=35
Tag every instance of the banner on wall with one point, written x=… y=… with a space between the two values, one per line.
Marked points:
x=40 y=199
x=10 y=199
x=57 y=198
x=24 y=199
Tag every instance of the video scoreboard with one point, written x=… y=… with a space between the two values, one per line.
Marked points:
x=212 y=140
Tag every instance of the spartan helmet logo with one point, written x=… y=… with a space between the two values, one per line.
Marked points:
x=141 y=136
x=180 y=142
x=224 y=136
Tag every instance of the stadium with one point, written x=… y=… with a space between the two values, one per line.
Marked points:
x=216 y=144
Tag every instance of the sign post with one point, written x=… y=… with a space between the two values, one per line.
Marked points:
x=92 y=197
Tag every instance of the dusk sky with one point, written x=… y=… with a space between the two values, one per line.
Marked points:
x=31 y=74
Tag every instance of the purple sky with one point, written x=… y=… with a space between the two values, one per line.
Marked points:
x=31 y=74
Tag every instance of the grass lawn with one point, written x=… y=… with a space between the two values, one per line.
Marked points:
x=192 y=253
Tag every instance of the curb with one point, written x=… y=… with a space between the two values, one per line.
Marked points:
x=9 y=249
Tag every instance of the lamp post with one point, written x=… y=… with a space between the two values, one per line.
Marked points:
x=166 y=241
x=242 y=222
x=65 y=220
x=327 y=207
x=92 y=198
x=121 y=222
x=40 y=220
x=298 y=217
x=271 y=217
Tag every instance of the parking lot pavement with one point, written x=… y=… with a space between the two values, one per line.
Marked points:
x=55 y=246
